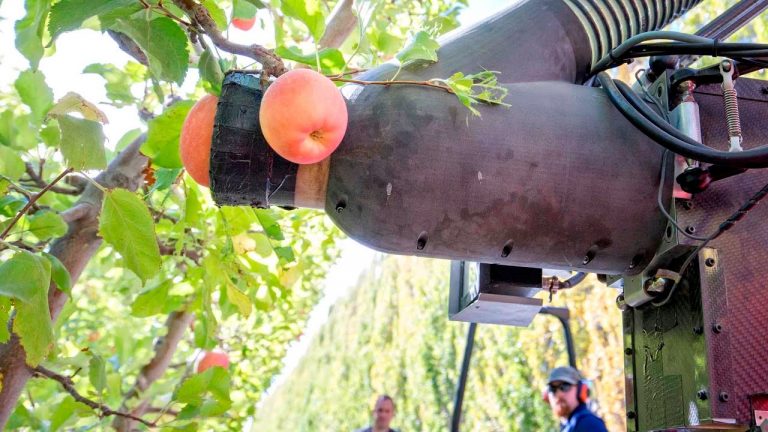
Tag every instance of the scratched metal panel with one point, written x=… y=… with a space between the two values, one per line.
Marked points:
x=669 y=362
x=734 y=296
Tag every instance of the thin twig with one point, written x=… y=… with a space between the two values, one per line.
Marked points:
x=32 y=201
x=399 y=82
x=38 y=181
x=104 y=411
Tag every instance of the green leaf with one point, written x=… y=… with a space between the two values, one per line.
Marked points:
x=73 y=102
x=47 y=224
x=163 y=42
x=126 y=224
x=82 y=143
x=192 y=207
x=331 y=60
x=269 y=224
x=33 y=319
x=68 y=15
x=97 y=373
x=11 y=165
x=118 y=82
x=51 y=134
x=151 y=301
x=30 y=29
x=162 y=144
x=24 y=276
x=420 y=47
x=217 y=14
x=244 y=9
x=206 y=394
x=59 y=274
x=210 y=71
x=239 y=299
x=5 y=313
x=164 y=178
x=310 y=12
x=35 y=93
x=285 y=252
x=4 y=183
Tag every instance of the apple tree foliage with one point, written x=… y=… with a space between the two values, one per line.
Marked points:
x=116 y=270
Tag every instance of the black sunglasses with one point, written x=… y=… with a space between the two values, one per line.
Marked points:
x=564 y=387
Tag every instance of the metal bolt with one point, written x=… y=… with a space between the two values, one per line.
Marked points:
x=690 y=229
x=421 y=242
x=709 y=262
x=688 y=204
x=631 y=415
x=724 y=396
x=717 y=328
x=656 y=285
x=340 y=206
x=621 y=303
x=702 y=395
x=629 y=351
x=698 y=330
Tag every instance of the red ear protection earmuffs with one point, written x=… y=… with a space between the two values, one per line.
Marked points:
x=582 y=392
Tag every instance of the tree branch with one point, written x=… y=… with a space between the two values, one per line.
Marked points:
x=32 y=201
x=177 y=323
x=104 y=411
x=129 y=46
x=340 y=25
x=76 y=212
x=199 y=15
x=75 y=249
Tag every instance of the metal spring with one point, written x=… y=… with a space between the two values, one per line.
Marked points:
x=732 y=112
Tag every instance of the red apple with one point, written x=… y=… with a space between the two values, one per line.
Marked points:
x=211 y=359
x=195 y=139
x=243 y=24
x=303 y=116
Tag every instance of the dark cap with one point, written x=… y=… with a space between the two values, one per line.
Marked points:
x=565 y=374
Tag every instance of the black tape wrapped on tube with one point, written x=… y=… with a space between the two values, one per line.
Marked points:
x=244 y=169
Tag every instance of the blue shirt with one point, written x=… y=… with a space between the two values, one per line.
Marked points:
x=583 y=420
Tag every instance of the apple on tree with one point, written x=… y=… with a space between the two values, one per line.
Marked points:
x=195 y=139
x=244 y=24
x=211 y=359
x=303 y=116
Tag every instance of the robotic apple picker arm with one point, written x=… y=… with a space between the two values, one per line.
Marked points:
x=649 y=187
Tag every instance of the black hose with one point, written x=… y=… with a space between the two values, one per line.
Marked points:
x=660 y=131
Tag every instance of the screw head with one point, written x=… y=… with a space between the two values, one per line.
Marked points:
x=629 y=351
x=724 y=396
x=717 y=328
x=621 y=303
x=631 y=415
x=709 y=262
x=702 y=395
x=687 y=204
x=690 y=229
x=698 y=330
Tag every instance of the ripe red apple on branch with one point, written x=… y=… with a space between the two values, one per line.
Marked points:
x=244 y=24
x=303 y=116
x=211 y=359
x=195 y=140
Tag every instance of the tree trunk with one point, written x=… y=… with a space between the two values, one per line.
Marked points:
x=74 y=250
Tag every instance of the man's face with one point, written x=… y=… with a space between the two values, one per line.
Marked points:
x=562 y=398
x=383 y=413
